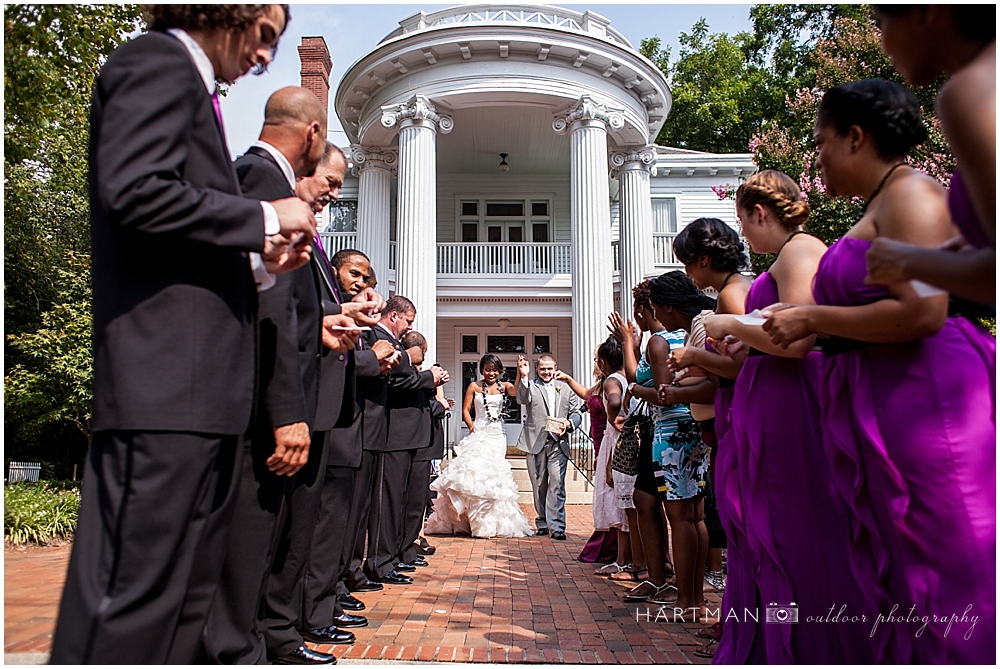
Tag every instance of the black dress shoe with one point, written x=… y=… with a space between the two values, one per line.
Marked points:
x=424 y=548
x=351 y=603
x=395 y=578
x=541 y=532
x=418 y=562
x=347 y=620
x=306 y=655
x=329 y=635
x=404 y=566
x=367 y=585
x=559 y=536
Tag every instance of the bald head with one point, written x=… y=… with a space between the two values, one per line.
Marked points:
x=293 y=105
x=295 y=124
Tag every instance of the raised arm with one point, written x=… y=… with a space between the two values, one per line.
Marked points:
x=575 y=385
x=521 y=382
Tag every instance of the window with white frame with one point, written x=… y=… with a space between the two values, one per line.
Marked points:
x=510 y=220
x=664 y=215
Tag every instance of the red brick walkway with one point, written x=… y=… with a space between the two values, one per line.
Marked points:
x=480 y=600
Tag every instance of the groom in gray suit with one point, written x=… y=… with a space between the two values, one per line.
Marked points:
x=547 y=450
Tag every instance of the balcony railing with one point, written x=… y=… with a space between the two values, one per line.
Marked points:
x=335 y=241
x=663 y=249
x=507 y=258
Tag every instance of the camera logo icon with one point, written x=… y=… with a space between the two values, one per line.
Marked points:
x=782 y=615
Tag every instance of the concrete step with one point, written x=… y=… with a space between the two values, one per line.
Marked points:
x=578 y=488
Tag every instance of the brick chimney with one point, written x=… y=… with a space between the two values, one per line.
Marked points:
x=316 y=66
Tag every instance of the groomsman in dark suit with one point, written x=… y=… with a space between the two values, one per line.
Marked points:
x=275 y=492
x=408 y=429
x=176 y=250
x=433 y=407
x=324 y=594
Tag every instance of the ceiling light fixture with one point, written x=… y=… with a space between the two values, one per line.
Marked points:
x=503 y=162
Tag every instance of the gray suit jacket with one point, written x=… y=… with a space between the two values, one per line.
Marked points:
x=533 y=396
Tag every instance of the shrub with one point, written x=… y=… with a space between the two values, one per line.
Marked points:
x=40 y=512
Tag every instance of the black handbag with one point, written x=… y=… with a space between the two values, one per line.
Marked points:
x=638 y=429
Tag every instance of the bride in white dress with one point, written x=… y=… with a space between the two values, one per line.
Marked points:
x=476 y=493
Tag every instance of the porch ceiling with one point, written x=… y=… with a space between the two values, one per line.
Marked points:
x=482 y=133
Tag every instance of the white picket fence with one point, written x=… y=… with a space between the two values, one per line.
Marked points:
x=23 y=471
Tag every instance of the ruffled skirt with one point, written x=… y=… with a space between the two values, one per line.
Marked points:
x=477 y=494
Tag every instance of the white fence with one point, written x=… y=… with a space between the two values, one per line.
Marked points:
x=505 y=258
x=23 y=471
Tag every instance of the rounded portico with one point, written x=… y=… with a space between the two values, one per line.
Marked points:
x=567 y=98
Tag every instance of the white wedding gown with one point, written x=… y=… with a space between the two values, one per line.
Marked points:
x=476 y=493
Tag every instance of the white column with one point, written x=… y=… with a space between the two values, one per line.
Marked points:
x=376 y=166
x=635 y=246
x=590 y=225
x=416 y=217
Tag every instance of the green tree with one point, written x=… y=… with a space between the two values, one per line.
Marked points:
x=848 y=51
x=52 y=54
x=720 y=98
x=53 y=383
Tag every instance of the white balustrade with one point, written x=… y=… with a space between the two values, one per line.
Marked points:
x=508 y=258
x=663 y=250
x=336 y=241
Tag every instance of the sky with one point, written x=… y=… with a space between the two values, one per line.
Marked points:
x=353 y=30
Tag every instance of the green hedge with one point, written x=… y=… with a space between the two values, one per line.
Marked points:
x=40 y=512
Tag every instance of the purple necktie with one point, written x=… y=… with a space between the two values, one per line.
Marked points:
x=329 y=268
x=218 y=113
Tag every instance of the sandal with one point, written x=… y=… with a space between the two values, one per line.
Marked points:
x=659 y=598
x=636 y=594
x=708 y=650
x=706 y=632
x=610 y=569
x=630 y=576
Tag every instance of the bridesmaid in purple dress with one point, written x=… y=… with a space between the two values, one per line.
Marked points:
x=908 y=400
x=925 y=41
x=774 y=482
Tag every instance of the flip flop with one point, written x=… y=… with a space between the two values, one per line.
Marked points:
x=708 y=650
x=628 y=576
x=634 y=596
x=610 y=569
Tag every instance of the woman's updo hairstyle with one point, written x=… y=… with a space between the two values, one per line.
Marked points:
x=713 y=238
x=776 y=191
x=611 y=353
x=886 y=109
x=640 y=295
x=675 y=289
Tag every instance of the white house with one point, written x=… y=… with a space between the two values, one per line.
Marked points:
x=505 y=180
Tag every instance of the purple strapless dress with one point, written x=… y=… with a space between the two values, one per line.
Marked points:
x=963 y=213
x=910 y=433
x=777 y=497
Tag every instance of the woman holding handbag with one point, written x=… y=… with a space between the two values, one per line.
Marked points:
x=669 y=431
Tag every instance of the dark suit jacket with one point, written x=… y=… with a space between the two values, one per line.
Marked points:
x=409 y=410
x=435 y=450
x=174 y=298
x=345 y=440
x=374 y=389
x=290 y=316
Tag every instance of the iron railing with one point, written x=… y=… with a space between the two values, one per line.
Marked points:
x=581 y=453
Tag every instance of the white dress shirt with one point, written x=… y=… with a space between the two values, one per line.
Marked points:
x=262 y=277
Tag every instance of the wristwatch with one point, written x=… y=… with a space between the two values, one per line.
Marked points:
x=630 y=387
